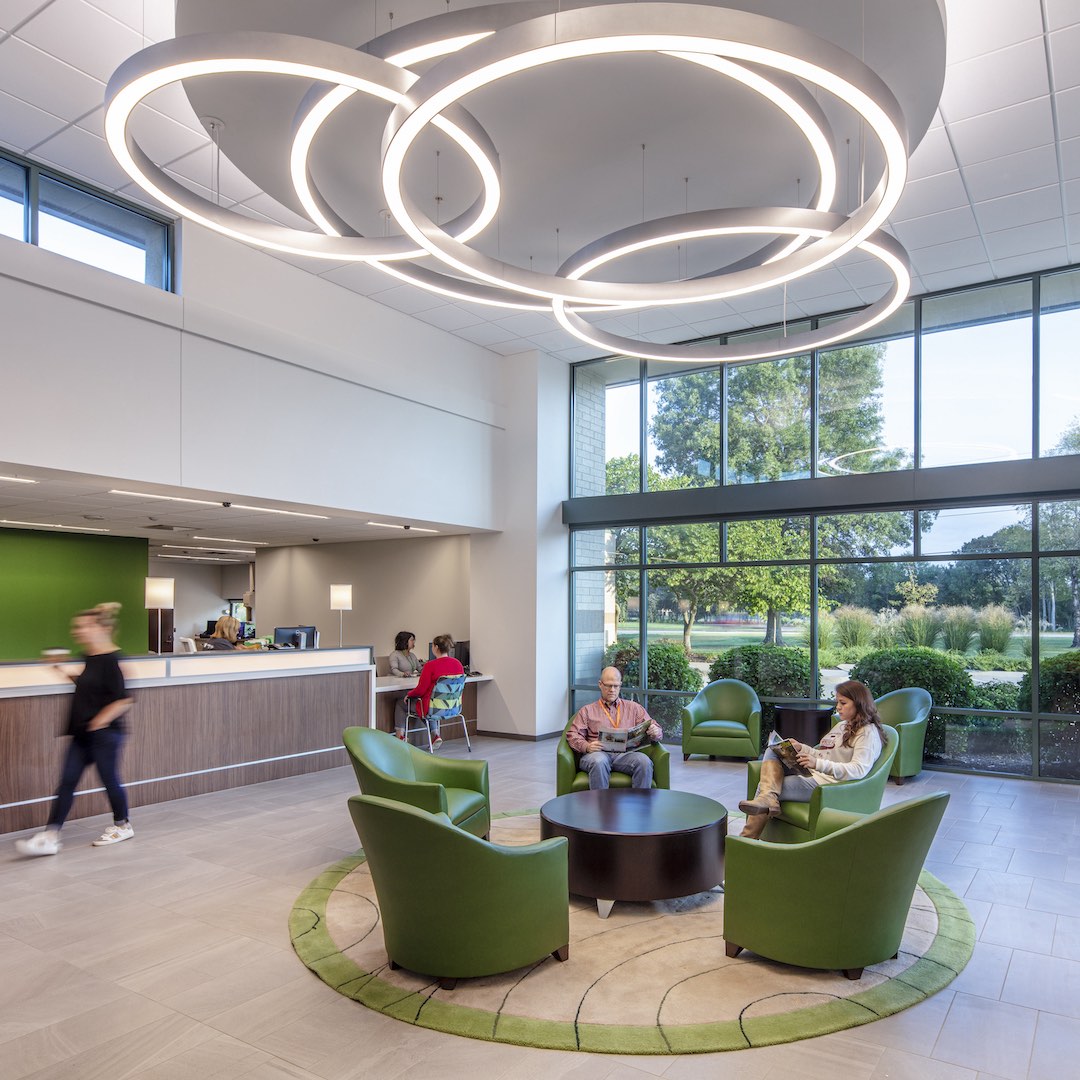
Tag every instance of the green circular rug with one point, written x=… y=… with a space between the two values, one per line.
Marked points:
x=650 y=979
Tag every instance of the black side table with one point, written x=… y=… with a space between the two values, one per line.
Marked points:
x=804 y=723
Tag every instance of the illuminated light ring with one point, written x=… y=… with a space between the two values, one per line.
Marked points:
x=704 y=223
x=285 y=54
x=789 y=96
x=646 y=27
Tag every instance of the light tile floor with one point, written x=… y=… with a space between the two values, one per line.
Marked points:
x=167 y=957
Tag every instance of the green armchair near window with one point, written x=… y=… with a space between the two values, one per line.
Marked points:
x=568 y=777
x=837 y=902
x=455 y=907
x=723 y=720
x=392 y=769
x=908 y=711
x=798 y=821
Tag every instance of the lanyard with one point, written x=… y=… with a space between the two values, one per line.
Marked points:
x=618 y=709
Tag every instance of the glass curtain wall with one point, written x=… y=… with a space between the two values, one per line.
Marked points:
x=981 y=600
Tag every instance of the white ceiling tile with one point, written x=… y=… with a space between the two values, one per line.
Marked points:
x=959 y=253
x=1065 y=56
x=1024 y=239
x=929 y=196
x=988 y=25
x=722 y=324
x=484 y=334
x=1070 y=159
x=408 y=299
x=512 y=347
x=1022 y=208
x=949 y=225
x=932 y=156
x=995 y=80
x=450 y=317
x=155 y=20
x=162 y=138
x=83 y=155
x=575 y=354
x=171 y=101
x=1016 y=172
x=554 y=339
x=13 y=12
x=1035 y=260
x=867 y=275
x=825 y=282
x=48 y=83
x=357 y=277
x=82 y=36
x=1005 y=131
x=949 y=279
x=1061 y=13
x=25 y=126
x=1067 y=106
x=265 y=206
x=527 y=323
x=197 y=167
x=663 y=318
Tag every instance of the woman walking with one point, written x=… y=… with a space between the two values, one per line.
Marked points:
x=96 y=727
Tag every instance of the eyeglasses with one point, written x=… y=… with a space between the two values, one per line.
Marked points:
x=611 y=685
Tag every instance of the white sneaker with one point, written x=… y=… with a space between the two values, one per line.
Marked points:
x=44 y=843
x=114 y=834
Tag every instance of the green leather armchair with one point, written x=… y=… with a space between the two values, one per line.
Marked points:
x=908 y=711
x=798 y=821
x=392 y=769
x=837 y=902
x=723 y=720
x=568 y=777
x=455 y=907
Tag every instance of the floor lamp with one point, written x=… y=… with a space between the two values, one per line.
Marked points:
x=160 y=593
x=341 y=601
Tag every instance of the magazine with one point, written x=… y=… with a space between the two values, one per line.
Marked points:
x=786 y=752
x=617 y=741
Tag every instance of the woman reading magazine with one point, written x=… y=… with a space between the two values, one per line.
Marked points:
x=847 y=752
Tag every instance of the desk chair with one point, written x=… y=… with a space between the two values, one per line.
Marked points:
x=445 y=706
x=187 y=645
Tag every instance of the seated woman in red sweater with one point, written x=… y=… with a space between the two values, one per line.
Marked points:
x=443 y=664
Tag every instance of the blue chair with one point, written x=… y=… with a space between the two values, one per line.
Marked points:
x=445 y=706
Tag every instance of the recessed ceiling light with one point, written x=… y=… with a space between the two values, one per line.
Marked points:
x=198 y=558
x=50 y=525
x=17 y=480
x=195 y=547
x=215 y=502
x=230 y=540
x=407 y=528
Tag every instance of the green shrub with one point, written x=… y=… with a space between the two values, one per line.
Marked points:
x=958 y=628
x=669 y=669
x=854 y=627
x=835 y=657
x=994 y=661
x=998 y=695
x=949 y=684
x=771 y=670
x=918 y=625
x=826 y=632
x=1059 y=683
x=996 y=626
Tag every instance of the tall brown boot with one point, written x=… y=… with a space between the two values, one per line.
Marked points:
x=766 y=801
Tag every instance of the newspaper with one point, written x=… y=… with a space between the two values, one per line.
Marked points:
x=618 y=741
x=786 y=752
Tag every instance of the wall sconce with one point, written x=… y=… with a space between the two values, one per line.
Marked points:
x=341 y=601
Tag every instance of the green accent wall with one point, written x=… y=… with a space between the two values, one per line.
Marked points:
x=46 y=577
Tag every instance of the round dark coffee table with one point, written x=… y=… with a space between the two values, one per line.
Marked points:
x=637 y=844
x=804 y=723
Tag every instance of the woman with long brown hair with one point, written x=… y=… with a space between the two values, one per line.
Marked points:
x=848 y=752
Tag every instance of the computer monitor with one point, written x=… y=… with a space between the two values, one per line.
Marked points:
x=460 y=650
x=291 y=635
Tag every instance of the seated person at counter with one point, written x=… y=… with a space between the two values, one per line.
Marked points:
x=404 y=663
x=223 y=639
x=611 y=713
x=420 y=695
x=847 y=752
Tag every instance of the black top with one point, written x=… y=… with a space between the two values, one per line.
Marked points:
x=627 y=811
x=100 y=683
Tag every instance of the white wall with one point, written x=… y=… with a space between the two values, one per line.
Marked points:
x=117 y=379
x=417 y=584
x=519 y=585
x=198 y=594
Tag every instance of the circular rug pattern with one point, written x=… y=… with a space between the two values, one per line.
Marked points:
x=652 y=978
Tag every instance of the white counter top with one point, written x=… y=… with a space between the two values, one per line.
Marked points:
x=388 y=683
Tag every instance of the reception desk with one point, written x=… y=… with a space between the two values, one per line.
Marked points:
x=200 y=723
x=390 y=689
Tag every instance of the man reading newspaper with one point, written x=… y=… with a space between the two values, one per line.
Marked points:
x=608 y=732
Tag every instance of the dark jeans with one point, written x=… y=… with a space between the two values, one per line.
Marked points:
x=102 y=750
